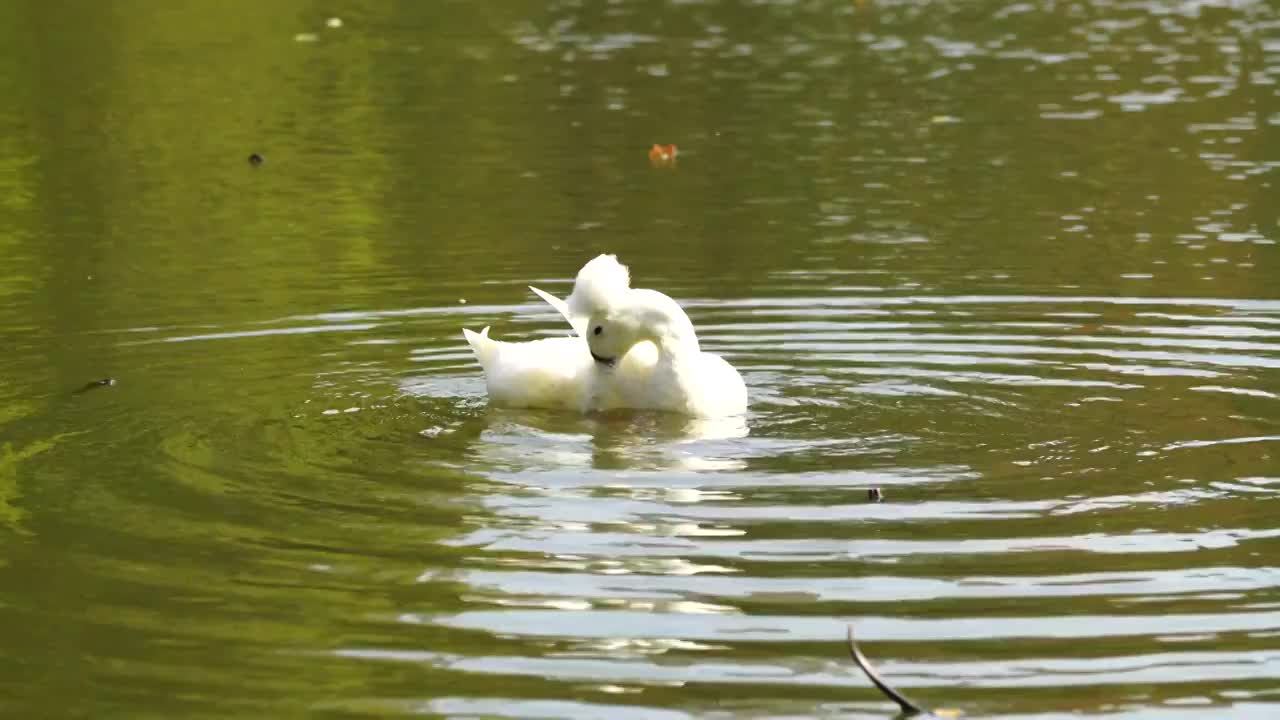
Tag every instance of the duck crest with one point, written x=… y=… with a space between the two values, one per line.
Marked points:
x=600 y=284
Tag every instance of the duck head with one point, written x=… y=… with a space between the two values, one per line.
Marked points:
x=614 y=317
x=635 y=317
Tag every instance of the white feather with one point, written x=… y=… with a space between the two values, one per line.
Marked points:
x=601 y=284
x=579 y=323
x=560 y=372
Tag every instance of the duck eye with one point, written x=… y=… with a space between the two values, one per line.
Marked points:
x=599 y=329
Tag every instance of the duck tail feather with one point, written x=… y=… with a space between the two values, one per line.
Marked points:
x=481 y=344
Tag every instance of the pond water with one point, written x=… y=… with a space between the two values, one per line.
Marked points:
x=1012 y=263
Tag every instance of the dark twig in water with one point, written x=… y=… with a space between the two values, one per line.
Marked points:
x=909 y=707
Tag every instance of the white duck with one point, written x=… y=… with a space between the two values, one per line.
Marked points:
x=640 y=351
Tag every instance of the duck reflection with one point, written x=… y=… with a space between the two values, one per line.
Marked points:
x=621 y=441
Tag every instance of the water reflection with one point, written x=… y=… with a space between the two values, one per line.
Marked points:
x=548 y=440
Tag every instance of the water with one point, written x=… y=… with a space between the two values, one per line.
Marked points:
x=1012 y=263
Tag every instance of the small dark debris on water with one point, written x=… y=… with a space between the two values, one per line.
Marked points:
x=874 y=495
x=95 y=384
x=255 y=159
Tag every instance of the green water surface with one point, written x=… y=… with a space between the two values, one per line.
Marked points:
x=1013 y=263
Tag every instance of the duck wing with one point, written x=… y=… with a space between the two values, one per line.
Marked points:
x=578 y=323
